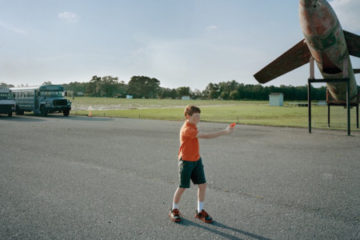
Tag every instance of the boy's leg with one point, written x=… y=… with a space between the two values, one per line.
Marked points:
x=201 y=192
x=200 y=212
x=174 y=213
x=201 y=196
x=177 y=196
x=185 y=170
x=199 y=178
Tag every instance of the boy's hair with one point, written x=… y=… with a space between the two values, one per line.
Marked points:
x=190 y=110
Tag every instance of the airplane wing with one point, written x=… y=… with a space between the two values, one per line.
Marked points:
x=353 y=43
x=290 y=60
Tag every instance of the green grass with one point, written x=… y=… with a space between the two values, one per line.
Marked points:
x=147 y=103
x=243 y=112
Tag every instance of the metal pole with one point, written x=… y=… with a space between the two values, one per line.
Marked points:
x=357 y=116
x=309 y=105
x=312 y=76
x=346 y=75
x=348 y=106
x=328 y=115
x=345 y=68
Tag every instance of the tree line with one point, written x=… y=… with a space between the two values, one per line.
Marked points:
x=147 y=87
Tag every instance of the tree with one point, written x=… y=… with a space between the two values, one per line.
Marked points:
x=173 y=94
x=108 y=86
x=197 y=94
x=142 y=86
x=93 y=87
x=5 y=85
x=47 y=83
x=227 y=87
x=212 y=91
x=76 y=87
x=167 y=93
x=234 y=95
x=121 y=89
x=183 y=91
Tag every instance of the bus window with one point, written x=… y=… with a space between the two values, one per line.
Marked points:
x=5 y=96
x=51 y=93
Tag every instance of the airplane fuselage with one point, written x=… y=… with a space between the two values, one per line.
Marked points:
x=326 y=42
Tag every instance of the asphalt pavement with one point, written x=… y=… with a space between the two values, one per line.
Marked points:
x=105 y=178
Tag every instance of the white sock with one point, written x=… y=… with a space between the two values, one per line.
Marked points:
x=200 y=206
x=175 y=206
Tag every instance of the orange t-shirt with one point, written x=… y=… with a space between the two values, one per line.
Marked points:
x=189 y=143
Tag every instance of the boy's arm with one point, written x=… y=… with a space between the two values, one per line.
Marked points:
x=226 y=131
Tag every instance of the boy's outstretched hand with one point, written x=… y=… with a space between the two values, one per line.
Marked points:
x=230 y=128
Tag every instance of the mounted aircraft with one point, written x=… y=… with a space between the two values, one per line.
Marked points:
x=326 y=42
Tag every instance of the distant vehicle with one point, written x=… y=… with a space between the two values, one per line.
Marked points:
x=42 y=100
x=7 y=101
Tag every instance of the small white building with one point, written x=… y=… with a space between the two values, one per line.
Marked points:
x=276 y=99
x=129 y=97
x=185 y=98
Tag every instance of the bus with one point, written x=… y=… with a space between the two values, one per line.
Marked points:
x=41 y=100
x=7 y=101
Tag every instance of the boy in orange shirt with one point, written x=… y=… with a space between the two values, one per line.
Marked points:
x=190 y=163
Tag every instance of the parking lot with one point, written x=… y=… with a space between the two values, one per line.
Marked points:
x=106 y=178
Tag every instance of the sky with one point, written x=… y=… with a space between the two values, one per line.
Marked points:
x=181 y=43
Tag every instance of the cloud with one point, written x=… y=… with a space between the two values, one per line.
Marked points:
x=348 y=13
x=68 y=17
x=211 y=28
x=12 y=28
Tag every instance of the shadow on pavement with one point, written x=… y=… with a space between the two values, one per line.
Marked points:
x=93 y=119
x=37 y=118
x=215 y=226
x=20 y=119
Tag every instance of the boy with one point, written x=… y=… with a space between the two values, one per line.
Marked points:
x=190 y=163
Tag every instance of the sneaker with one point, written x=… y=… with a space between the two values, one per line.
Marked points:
x=175 y=215
x=204 y=216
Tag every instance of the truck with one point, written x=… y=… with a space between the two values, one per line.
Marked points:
x=7 y=102
x=42 y=100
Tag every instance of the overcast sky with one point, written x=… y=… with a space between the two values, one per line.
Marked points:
x=181 y=43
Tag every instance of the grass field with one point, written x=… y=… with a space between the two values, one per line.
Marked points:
x=243 y=112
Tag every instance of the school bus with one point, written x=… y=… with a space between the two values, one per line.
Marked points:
x=7 y=101
x=41 y=100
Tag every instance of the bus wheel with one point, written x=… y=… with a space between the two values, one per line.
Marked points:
x=66 y=113
x=43 y=111
x=10 y=114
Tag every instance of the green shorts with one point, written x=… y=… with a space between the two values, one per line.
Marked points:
x=191 y=170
